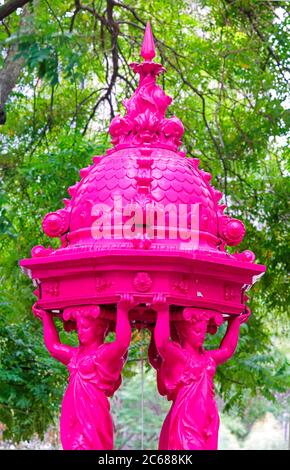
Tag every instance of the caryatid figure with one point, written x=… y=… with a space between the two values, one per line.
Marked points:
x=94 y=372
x=185 y=373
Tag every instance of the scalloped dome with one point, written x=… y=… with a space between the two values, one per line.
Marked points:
x=174 y=179
x=146 y=169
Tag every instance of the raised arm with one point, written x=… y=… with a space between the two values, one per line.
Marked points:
x=58 y=350
x=156 y=361
x=119 y=347
x=167 y=349
x=123 y=327
x=162 y=328
x=153 y=355
x=229 y=343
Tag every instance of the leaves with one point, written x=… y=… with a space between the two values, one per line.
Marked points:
x=28 y=378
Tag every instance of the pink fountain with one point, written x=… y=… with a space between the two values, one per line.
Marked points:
x=143 y=245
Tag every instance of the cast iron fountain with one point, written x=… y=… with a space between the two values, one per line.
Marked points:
x=143 y=244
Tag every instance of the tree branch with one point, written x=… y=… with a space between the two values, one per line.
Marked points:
x=114 y=31
x=12 y=68
x=10 y=6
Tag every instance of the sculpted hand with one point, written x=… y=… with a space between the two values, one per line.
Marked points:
x=244 y=317
x=127 y=302
x=159 y=302
x=37 y=311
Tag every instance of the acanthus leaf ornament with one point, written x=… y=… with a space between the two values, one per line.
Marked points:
x=145 y=121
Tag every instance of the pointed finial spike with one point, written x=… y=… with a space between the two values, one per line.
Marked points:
x=148 y=48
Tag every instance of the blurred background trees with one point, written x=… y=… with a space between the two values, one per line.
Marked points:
x=64 y=69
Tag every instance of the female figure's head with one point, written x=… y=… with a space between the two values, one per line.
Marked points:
x=195 y=324
x=91 y=328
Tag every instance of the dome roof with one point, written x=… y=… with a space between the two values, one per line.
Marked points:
x=174 y=179
x=144 y=170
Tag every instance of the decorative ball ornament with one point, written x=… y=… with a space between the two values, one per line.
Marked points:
x=56 y=223
x=231 y=230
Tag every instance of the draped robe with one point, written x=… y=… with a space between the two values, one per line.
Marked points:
x=193 y=421
x=86 y=421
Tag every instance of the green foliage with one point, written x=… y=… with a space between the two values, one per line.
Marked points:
x=31 y=385
x=127 y=412
x=227 y=64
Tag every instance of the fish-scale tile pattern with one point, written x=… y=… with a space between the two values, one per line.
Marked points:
x=174 y=180
x=108 y=177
